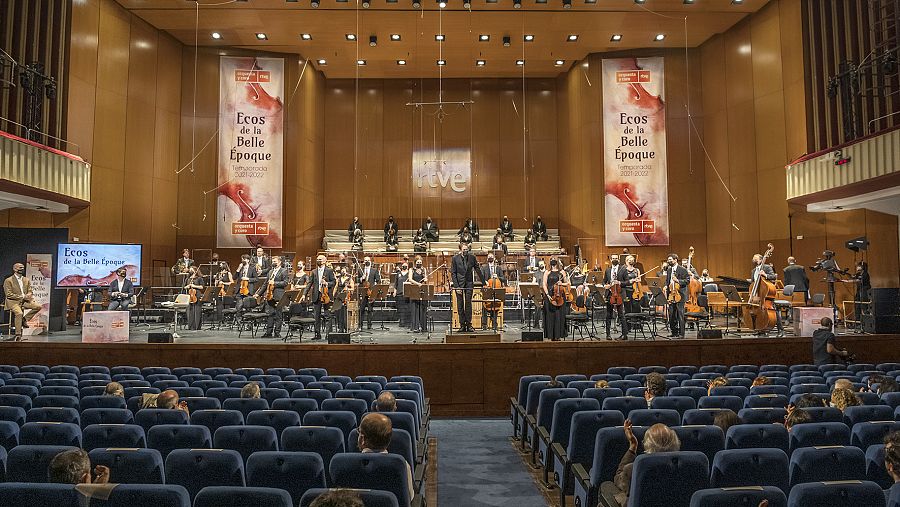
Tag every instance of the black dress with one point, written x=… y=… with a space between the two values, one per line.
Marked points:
x=419 y=306
x=631 y=304
x=554 y=316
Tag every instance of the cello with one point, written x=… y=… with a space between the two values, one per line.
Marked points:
x=759 y=312
x=493 y=305
x=694 y=288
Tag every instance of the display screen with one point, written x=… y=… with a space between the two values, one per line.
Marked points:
x=86 y=264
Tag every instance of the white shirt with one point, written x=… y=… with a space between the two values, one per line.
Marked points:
x=274 y=272
x=321 y=274
x=21 y=284
x=614 y=272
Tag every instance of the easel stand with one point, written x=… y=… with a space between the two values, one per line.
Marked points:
x=422 y=294
x=531 y=294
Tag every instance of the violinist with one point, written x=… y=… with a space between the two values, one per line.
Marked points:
x=271 y=291
x=391 y=243
x=354 y=226
x=614 y=280
x=263 y=264
x=491 y=270
x=401 y=300
x=419 y=276
x=367 y=279
x=766 y=272
x=472 y=227
x=677 y=280
x=300 y=277
x=553 y=283
x=539 y=228
x=342 y=284
x=389 y=226
x=631 y=274
x=224 y=280
x=320 y=279
x=430 y=228
x=244 y=276
x=194 y=287
x=506 y=228
x=420 y=243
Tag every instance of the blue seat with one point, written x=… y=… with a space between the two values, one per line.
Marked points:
x=624 y=385
x=869 y=433
x=358 y=407
x=378 y=378
x=341 y=419
x=809 y=388
x=636 y=391
x=819 y=434
x=281 y=372
x=836 y=494
x=277 y=419
x=621 y=370
x=216 y=496
x=59 y=390
x=662 y=370
x=165 y=438
x=295 y=471
x=701 y=416
x=865 y=413
x=681 y=404
x=26 y=379
x=543 y=416
x=409 y=394
x=668 y=478
x=137 y=381
x=27 y=494
x=757 y=436
x=149 y=417
x=29 y=463
x=580 y=449
x=733 y=403
x=188 y=392
x=404 y=421
x=605 y=376
x=687 y=370
x=316 y=394
x=770 y=389
x=677 y=377
x=29 y=391
x=113 y=435
x=162 y=385
x=828 y=463
x=408 y=378
x=287 y=385
x=744 y=368
x=624 y=404
x=705 y=375
x=85 y=391
x=161 y=376
x=730 y=390
x=750 y=467
x=305 y=379
x=324 y=441
x=762 y=415
x=106 y=416
x=194 y=469
x=246 y=439
x=89 y=402
x=215 y=419
x=245 y=405
x=89 y=370
x=137 y=392
x=9 y=434
x=649 y=417
x=155 y=370
x=263 y=379
x=609 y=447
x=206 y=385
x=63 y=368
x=13 y=414
x=740 y=375
x=130 y=466
x=334 y=387
x=315 y=372
x=695 y=392
x=825 y=414
x=766 y=401
x=370 y=497
x=299 y=405
x=50 y=433
x=601 y=393
x=807 y=379
x=217 y=370
x=718 y=369
x=876 y=470
x=201 y=402
x=190 y=378
x=559 y=428
x=400 y=444
x=228 y=378
x=740 y=496
x=581 y=385
x=53 y=414
x=341 y=379
x=359 y=394
x=891 y=399
x=386 y=472
x=706 y=439
x=223 y=393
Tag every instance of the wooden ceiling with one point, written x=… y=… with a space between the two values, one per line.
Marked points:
x=283 y=22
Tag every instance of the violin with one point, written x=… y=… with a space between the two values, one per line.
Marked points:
x=192 y=293
x=270 y=290
x=674 y=289
x=615 y=294
x=244 y=289
x=325 y=296
x=558 y=295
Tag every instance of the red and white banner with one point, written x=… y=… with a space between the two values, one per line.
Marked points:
x=251 y=147
x=634 y=162
x=39 y=271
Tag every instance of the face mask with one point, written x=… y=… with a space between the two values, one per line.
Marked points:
x=615 y=262
x=490 y=261
x=419 y=265
x=321 y=263
x=368 y=263
x=20 y=271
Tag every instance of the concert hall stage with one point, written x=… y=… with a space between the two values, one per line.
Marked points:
x=462 y=379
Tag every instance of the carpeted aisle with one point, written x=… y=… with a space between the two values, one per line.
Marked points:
x=477 y=465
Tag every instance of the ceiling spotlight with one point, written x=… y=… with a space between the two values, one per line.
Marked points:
x=529 y=37
x=314 y=4
x=480 y=63
x=261 y=36
x=322 y=62
x=365 y=4
x=350 y=36
x=439 y=37
x=567 y=4
x=401 y=62
x=216 y=35
x=572 y=38
x=639 y=1
x=442 y=62
x=416 y=4
x=659 y=37
x=616 y=37
x=395 y=36
x=737 y=2
x=467 y=4
x=484 y=37
x=517 y=4
x=560 y=62
x=442 y=4
x=306 y=36
x=520 y=62
x=687 y=2
x=373 y=40
x=360 y=62
x=506 y=41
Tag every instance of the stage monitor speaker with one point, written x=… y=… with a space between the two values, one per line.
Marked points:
x=707 y=334
x=532 y=336
x=887 y=324
x=160 y=338
x=886 y=301
x=339 y=338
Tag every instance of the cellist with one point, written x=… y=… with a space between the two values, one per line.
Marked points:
x=765 y=271
x=491 y=271
x=677 y=280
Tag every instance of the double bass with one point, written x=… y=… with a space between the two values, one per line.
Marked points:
x=694 y=288
x=759 y=312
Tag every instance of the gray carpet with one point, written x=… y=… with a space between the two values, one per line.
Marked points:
x=477 y=465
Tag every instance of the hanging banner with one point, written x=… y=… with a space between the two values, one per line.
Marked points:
x=251 y=146
x=39 y=271
x=634 y=162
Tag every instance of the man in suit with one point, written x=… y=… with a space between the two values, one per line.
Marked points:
x=615 y=275
x=531 y=262
x=19 y=299
x=463 y=268
x=488 y=271
x=472 y=225
x=506 y=228
x=321 y=278
x=676 y=274
x=371 y=276
x=430 y=228
x=500 y=244
x=278 y=279
x=795 y=274
x=120 y=291
x=182 y=266
x=262 y=264
x=389 y=226
x=539 y=228
x=764 y=271
x=355 y=226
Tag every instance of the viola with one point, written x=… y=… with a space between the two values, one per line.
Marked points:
x=615 y=294
x=192 y=295
x=558 y=296
x=244 y=290
x=325 y=296
x=270 y=290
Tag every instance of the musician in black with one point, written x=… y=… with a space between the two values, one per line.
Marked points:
x=366 y=280
x=120 y=291
x=389 y=226
x=399 y=296
x=554 y=316
x=419 y=276
x=342 y=285
x=224 y=280
x=263 y=264
x=506 y=228
x=631 y=273
x=195 y=308
x=863 y=287
x=500 y=244
x=676 y=274
x=613 y=280
x=795 y=274
x=465 y=236
x=430 y=229
x=530 y=240
x=320 y=279
x=391 y=244
x=420 y=244
x=277 y=280
x=246 y=272
x=539 y=228
x=490 y=270
x=354 y=226
x=463 y=268
x=300 y=277
x=472 y=226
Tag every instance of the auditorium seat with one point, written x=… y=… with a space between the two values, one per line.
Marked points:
x=29 y=391
x=370 y=497
x=149 y=417
x=739 y=496
x=386 y=472
x=26 y=494
x=750 y=467
x=762 y=415
x=649 y=417
x=341 y=419
x=9 y=434
x=640 y=378
x=343 y=380
x=130 y=466
x=624 y=385
x=559 y=428
x=156 y=377
x=770 y=389
x=315 y=372
x=96 y=390
x=581 y=385
x=195 y=403
x=245 y=405
x=50 y=433
x=757 y=436
x=216 y=496
x=324 y=441
x=580 y=449
x=89 y=402
x=281 y=372
x=624 y=404
x=113 y=435
x=610 y=445
x=825 y=414
x=190 y=378
x=363 y=394
x=706 y=439
x=228 y=378
x=287 y=385
x=681 y=404
x=636 y=392
x=299 y=405
x=295 y=472
x=197 y=468
x=733 y=403
x=531 y=406
x=876 y=470
x=330 y=386
x=162 y=385
x=358 y=407
x=53 y=414
x=695 y=392
x=277 y=419
x=701 y=416
x=869 y=433
x=223 y=393
x=730 y=390
x=246 y=439
x=316 y=394
x=167 y=437
x=719 y=369
x=865 y=413
x=677 y=377
x=29 y=463
x=766 y=401
x=215 y=419
x=819 y=434
x=667 y=478
x=609 y=377
x=827 y=463
x=837 y=494
x=540 y=422
x=12 y=414
x=58 y=390
x=206 y=385
x=601 y=393
x=401 y=445
x=106 y=416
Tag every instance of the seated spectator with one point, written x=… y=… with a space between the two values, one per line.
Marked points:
x=888 y=385
x=843 y=383
x=843 y=398
x=726 y=419
x=808 y=400
x=167 y=399
x=655 y=386
x=714 y=383
x=601 y=384
x=114 y=389
x=659 y=438
x=250 y=390
x=761 y=380
x=338 y=498
x=386 y=402
x=795 y=417
x=892 y=455
x=554 y=384
x=375 y=436
x=74 y=467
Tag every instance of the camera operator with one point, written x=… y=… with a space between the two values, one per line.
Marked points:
x=823 y=343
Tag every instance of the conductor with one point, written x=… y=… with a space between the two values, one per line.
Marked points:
x=463 y=269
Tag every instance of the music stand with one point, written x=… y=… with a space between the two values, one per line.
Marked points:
x=658 y=298
x=594 y=277
x=379 y=293
x=530 y=292
x=731 y=296
x=526 y=277
x=597 y=294
x=141 y=307
x=422 y=294
x=493 y=295
x=337 y=306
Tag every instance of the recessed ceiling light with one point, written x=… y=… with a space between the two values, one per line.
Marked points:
x=480 y=63
x=365 y=4
x=687 y=2
x=401 y=62
x=442 y=62
x=439 y=37
x=416 y=4
x=373 y=40
x=517 y=4
x=261 y=36
x=639 y=1
x=659 y=37
x=360 y=62
x=567 y=4
x=529 y=37
x=560 y=62
x=506 y=41
x=322 y=62
x=306 y=36
x=442 y=4
x=216 y=35
x=738 y=2
x=395 y=36
x=484 y=37
x=520 y=62
x=350 y=36
x=616 y=37
x=572 y=38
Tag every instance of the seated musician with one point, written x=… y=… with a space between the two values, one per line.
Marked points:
x=391 y=243
x=354 y=226
x=690 y=267
x=183 y=264
x=389 y=226
x=499 y=244
x=120 y=291
x=506 y=228
x=530 y=240
x=705 y=278
x=430 y=228
x=539 y=228
x=420 y=244
x=357 y=240
x=465 y=236
x=762 y=270
x=489 y=271
x=531 y=261
x=472 y=225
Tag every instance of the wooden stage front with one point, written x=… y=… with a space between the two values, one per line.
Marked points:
x=467 y=380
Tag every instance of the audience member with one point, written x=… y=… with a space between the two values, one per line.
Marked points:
x=892 y=455
x=714 y=383
x=250 y=390
x=844 y=383
x=375 y=436
x=873 y=380
x=114 y=389
x=761 y=380
x=795 y=417
x=726 y=419
x=655 y=386
x=74 y=467
x=338 y=498
x=843 y=398
x=808 y=400
x=659 y=438
x=554 y=384
x=386 y=402
x=601 y=384
x=888 y=385
x=167 y=399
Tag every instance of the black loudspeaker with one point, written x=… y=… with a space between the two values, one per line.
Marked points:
x=532 y=336
x=707 y=334
x=887 y=324
x=160 y=338
x=339 y=338
x=886 y=301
